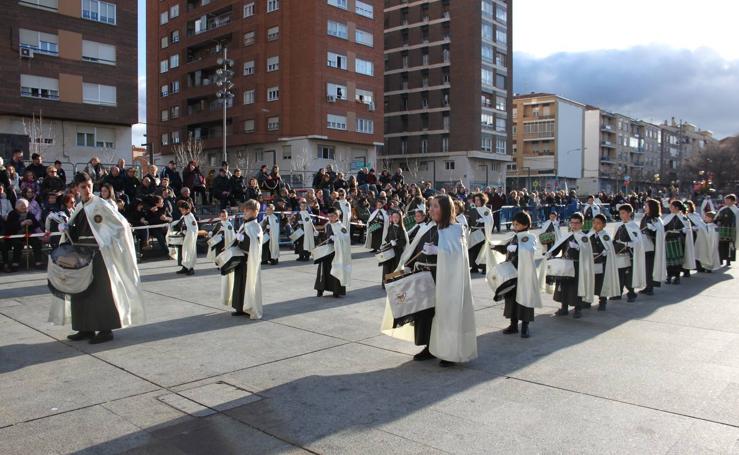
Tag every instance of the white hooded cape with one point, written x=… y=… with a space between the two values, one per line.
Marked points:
x=341 y=265
x=113 y=235
x=453 y=331
x=638 y=260
x=274 y=236
x=385 y=225
x=527 y=288
x=586 y=274
x=411 y=247
x=708 y=254
x=611 y=281
x=309 y=231
x=689 y=257
x=484 y=257
x=253 y=292
x=594 y=207
x=189 y=246
x=659 y=273
x=346 y=212
x=227 y=281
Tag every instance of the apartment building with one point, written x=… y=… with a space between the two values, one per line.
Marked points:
x=72 y=63
x=680 y=140
x=548 y=136
x=307 y=77
x=448 y=86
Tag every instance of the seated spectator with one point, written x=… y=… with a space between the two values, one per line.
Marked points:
x=20 y=222
x=29 y=181
x=5 y=205
x=60 y=171
x=222 y=188
x=37 y=166
x=52 y=183
x=252 y=190
x=238 y=187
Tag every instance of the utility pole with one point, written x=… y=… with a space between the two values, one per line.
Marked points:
x=224 y=83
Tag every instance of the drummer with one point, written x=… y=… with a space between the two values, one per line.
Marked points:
x=521 y=300
x=334 y=273
x=420 y=219
x=246 y=299
x=377 y=226
x=589 y=211
x=305 y=243
x=224 y=231
x=606 y=282
x=187 y=253
x=271 y=227
x=396 y=239
x=480 y=219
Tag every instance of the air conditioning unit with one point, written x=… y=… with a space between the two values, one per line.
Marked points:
x=26 y=52
x=371 y=107
x=331 y=99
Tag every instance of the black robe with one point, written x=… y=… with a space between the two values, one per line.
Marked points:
x=376 y=236
x=649 y=255
x=397 y=233
x=239 y=291
x=475 y=221
x=565 y=290
x=94 y=309
x=324 y=280
x=624 y=274
x=512 y=309
x=726 y=248
x=598 y=247
x=673 y=233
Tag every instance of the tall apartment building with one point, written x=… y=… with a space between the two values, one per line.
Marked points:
x=73 y=63
x=307 y=79
x=680 y=140
x=448 y=86
x=548 y=135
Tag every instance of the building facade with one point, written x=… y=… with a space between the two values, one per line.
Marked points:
x=448 y=85
x=72 y=64
x=307 y=78
x=548 y=135
x=680 y=141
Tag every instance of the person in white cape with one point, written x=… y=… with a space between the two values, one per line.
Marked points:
x=709 y=259
x=630 y=256
x=589 y=211
x=481 y=233
x=247 y=289
x=221 y=237
x=574 y=291
x=550 y=232
x=377 y=225
x=607 y=282
x=679 y=246
x=698 y=228
x=271 y=227
x=304 y=244
x=334 y=274
x=653 y=237
x=114 y=298
x=727 y=219
x=346 y=209
x=187 y=253
x=521 y=300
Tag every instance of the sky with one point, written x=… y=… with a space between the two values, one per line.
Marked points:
x=648 y=59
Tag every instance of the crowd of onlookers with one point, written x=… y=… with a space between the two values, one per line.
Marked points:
x=36 y=197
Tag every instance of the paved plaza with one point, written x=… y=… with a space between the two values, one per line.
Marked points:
x=315 y=375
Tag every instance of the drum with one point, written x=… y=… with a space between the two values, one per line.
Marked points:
x=476 y=236
x=598 y=268
x=229 y=259
x=175 y=239
x=374 y=227
x=726 y=233
x=322 y=253
x=215 y=240
x=296 y=235
x=623 y=261
x=409 y=221
x=547 y=238
x=385 y=255
x=411 y=293
x=70 y=269
x=674 y=252
x=561 y=268
x=587 y=225
x=503 y=279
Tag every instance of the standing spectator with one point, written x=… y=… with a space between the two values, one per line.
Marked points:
x=194 y=180
x=17 y=162
x=131 y=183
x=37 y=166
x=272 y=181
x=224 y=166
x=398 y=178
x=5 y=205
x=15 y=181
x=146 y=189
x=52 y=183
x=158 y=214
x=238 y=186
x=175 y=180
x=318 y=178
x=340 y=183
x=362 y=179
x=60 y=171
x=209 y=184
x=222 y=188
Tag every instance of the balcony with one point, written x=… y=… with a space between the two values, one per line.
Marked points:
x=606 y=127
x=539 y=136
x=209 y=22
x=607 y=144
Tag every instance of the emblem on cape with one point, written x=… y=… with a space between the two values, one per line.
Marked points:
x=343 y=230
x=606 y=238
x=98 y=219
x=194 y=223
x=584 y=239
x=487 y=212
x=401 y=298
x=230 y=228
x=525 y=239
x=635 y=234
x=307 y=219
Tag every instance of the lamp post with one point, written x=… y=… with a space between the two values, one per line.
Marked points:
x=224 y=83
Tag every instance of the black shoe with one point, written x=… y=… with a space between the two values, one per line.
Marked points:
x=102 y=337
x=616 y=298
x=631 y=298
x=602 y=306
x=511 y=329
x=336 y=295
x=577 y=314
x=686 y=273
x=587 y=305
x=238 y=313
x=446 y=364
x=525 y=330
x=669 y=280
x=561 y=312
x=319 y=293
x=475 y=270
x=423 y=355
x=648 y=291
x=676 y=280
x=181 y=271
x=190 y=272
x=79 y=336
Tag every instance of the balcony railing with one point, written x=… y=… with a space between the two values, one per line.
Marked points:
x=211 y=24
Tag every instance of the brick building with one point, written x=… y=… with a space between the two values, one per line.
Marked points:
x=73 y=63
x=307 y=78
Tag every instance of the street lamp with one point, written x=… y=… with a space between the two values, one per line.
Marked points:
x=224 y=84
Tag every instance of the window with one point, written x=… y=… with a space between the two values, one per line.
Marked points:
x=164 y=18
x=487 y=32
x=326 y=152
x=363 y=37
x=44 y=43
x=249 y=126
x=249 y=68
x=165 y=139
x=487 y=144
x=174 y=61
x=273 y=123
x=487 y=119
x=364 y=96
x=165 y=115
x=174 y=112
x=174 y=11
x=273 y=63
x=487 y=77
x=500 y=145
x=249 y=96
x=85 y=139
x=500 y=103
x=98 y=94
x=45 y=4
x=487 y=8
x=175 y=86
x=164 y=66
x=336 y=122
x=338 y=92
x=424 y=145
x=273 y=5
x=338 y=3
x=175 y=36
x=501 y=14
x=249 y=38
x=165 y=90
x=364 y=9
x=487 y=53
x=338 y=30
x=39 y=87
x=99 y=11
x=287 y=152
x=364 y=67
x=449 y=165
x=273 y=93
x=445 y=144
x=249 y=9
x=500 y=59
x=165 y=42
x=365 y=126
x=104 y=137
x=337 y=61
x=176 y=137
x=273 y=33
x=99 y=52
x=500 y=81
x=501 y=36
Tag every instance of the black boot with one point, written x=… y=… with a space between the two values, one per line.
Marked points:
x=647 y=291
x=676 y=280
x=102 y=337
x=423 y=355
x=525 y=330
x=631 y=296
x=81 y=335
x=669 y=280
x=602 y=304
x=578 y=312
x=513 y=328
x=686 y=273
x=181 y=271
x=190 y=272
x=562 y=311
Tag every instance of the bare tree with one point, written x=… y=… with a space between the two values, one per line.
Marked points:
x=38 y=133
x=413 y=167
x=190 y=150
x=108 y=155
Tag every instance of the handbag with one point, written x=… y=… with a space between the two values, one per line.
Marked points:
x=411 y=293
x=70 y=268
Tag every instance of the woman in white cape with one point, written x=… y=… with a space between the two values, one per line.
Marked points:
x=114 y=299
x=187 y=253
x=374 y=236
x=247 y=291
